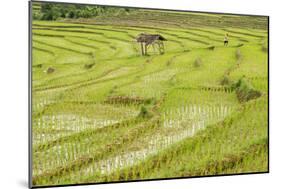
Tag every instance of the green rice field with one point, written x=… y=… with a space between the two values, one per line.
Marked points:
x=102 y=112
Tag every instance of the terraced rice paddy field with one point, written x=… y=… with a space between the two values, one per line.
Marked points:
x=101 y=112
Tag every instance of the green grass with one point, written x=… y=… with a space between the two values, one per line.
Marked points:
x=231 y=146
x=107 y=113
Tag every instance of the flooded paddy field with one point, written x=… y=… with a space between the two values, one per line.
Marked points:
x=102 y=112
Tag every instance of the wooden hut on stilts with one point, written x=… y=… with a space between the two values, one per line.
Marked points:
x=154 y=40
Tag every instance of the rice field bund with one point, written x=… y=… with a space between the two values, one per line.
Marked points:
x=107 y=107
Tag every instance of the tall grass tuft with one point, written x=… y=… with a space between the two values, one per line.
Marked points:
x=225 y=80
x=89 y=66
x=211 y=48
x=198 y=63
x=245 y=91
x=264 y=48
x=50 y=70
x=238 y=54
x=144 y=113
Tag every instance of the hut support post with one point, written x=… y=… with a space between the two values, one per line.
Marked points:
x=145 y=49
x=160 y=47
x=141 y=48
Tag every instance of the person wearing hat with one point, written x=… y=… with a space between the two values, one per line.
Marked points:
x=225 y=41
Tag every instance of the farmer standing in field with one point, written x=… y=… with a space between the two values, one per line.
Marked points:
x=225 y=41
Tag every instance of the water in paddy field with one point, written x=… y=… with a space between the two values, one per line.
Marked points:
x=177 y=124
x=50 y=127
x=181 y=123
x=57 y=126
x=105 y=107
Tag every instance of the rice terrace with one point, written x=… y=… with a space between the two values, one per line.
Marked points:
x=122 y=94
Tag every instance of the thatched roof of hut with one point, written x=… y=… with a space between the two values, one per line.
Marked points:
x=149 y=38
